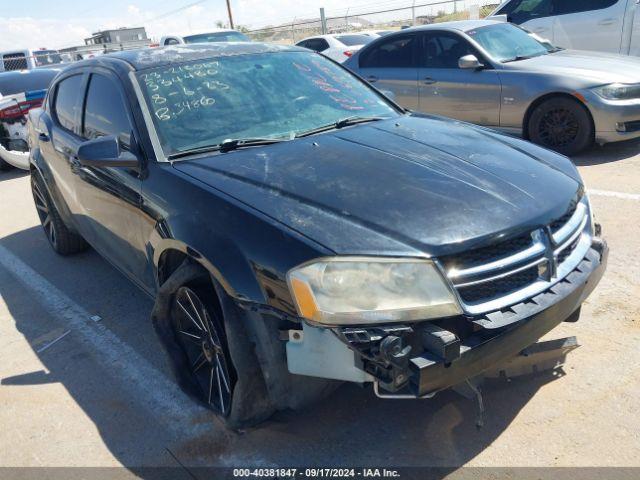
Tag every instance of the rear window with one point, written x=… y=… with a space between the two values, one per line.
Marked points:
x=47 y=57
x=351 y=40
x=14 y=61
x=217 y=37
x=66 y=103
x=18 y=82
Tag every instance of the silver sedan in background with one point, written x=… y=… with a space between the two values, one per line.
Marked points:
x=498 y=75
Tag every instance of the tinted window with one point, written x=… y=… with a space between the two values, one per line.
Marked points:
x=317 y=44
x=217 y=37
x=171 y=41
x=444 y=50
x=18 y=82
x=562 y=7
x=397 y=52
x=66 y=104
x=105 y=112
x=14 y=61
x=351 y=40
x=519 y=11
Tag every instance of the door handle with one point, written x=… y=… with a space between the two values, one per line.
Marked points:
x=540 y=29
x=429 y=81
x=43 y=137
x=372 y=79
x=607 y=21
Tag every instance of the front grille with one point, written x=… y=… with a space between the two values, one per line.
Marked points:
x=559 y=223
x=511 y=271
x=500 y=287
x=480 y=256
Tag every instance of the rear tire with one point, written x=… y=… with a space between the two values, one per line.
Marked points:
x=61 y=239
x=561 y=124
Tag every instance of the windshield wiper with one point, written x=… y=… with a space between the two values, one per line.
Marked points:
x=227 y=146
x=343 y=122
x=522 y=57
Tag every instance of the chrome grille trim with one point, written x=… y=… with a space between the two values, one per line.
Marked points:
x=570 y=227
x=551 y=249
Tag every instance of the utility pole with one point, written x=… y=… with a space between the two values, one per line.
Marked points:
x=323 y=22
x=230 y=16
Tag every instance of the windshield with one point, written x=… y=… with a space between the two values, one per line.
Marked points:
x=216 y=37
x=506 y=42
x=353 y=40
x=269 y=95
x=47 y=57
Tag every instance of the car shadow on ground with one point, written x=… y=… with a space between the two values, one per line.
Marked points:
x=611 y=152
x=12 y=173
x=352 y=427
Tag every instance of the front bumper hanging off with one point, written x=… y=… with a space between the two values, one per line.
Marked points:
x=492 y=341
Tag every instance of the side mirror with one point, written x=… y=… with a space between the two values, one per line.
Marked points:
x=469 y=62
x=105 y=152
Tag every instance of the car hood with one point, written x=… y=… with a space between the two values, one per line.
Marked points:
x=599 y=68
x=407 y=186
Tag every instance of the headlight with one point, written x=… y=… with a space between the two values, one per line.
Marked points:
x=619 y=91
x=360 y=290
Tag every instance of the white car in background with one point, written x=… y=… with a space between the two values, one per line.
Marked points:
x=219 y=35
x=375 y=33
x=337 y=46
x=611 y=26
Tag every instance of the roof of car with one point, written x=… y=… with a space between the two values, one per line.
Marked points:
x=462 y=25
x=156 y=57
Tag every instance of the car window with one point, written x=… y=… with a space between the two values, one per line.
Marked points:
x=273 y=95
x=14 y=61
x=217 y=37
x=563 y=7
x=66 y=102
x=351 y=40
x=171 y=41
x=317 y=44
x=508 y=43
x=396 y=52
x=105 y=112
x=520 y=11
x=443 y=50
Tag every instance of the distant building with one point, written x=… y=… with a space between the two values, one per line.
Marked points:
x=109 y=41
x=121 y=35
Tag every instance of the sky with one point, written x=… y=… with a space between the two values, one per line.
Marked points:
x=63 y=23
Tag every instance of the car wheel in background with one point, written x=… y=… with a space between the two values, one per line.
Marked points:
x=561 y=124
x=201 y=336
x=61 y=239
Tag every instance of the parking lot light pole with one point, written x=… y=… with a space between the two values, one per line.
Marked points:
x=230 y=16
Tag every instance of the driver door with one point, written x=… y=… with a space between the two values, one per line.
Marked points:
x=109 y=197
x=448 y=90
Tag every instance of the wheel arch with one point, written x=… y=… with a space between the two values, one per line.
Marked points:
x=548 y=96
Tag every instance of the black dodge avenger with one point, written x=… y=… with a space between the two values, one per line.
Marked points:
x=298 y=229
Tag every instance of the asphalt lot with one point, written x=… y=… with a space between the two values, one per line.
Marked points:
x=100 y=396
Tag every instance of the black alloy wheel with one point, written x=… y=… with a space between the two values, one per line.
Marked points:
x=60 y=237
x=199 y=331
x=561 y=124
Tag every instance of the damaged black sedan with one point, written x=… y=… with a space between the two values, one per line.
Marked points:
x=297 y=228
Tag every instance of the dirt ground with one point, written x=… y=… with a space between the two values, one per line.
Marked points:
x=101 y=396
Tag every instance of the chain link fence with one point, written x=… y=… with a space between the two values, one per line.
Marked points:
x=419 y=12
